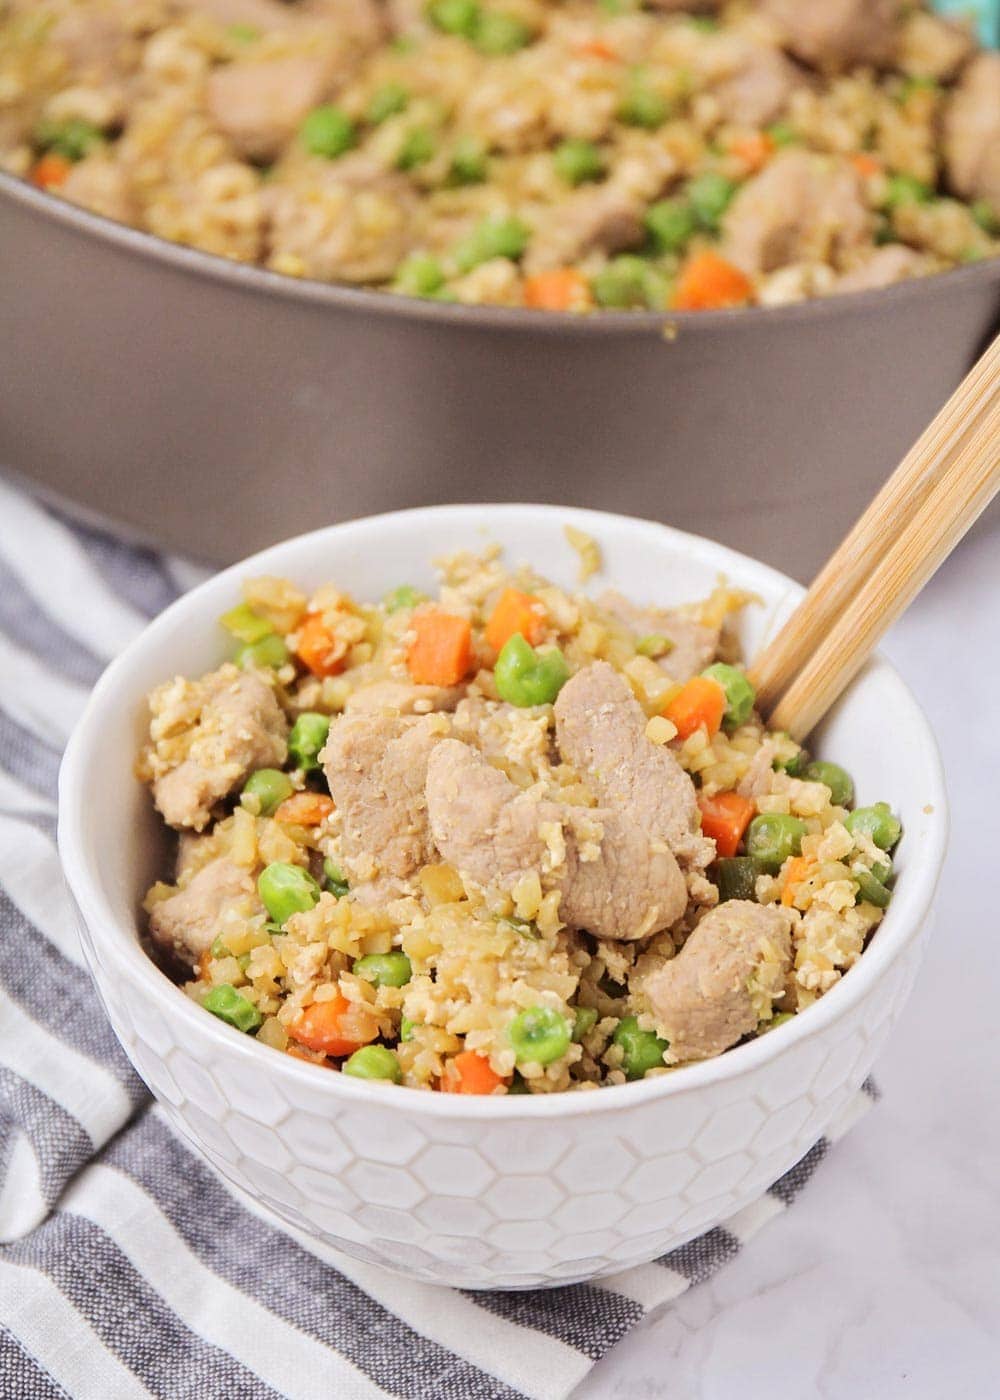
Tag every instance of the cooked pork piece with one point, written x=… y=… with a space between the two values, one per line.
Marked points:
x=724 y=981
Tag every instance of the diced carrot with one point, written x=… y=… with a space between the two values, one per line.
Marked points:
x=558 y=289
x=318 y=648
x=866 y=165
x=51 y=171
x=709 y=283
x=469 y=1073
x=597 y=48
x=304 y=809
x=799 y=868
x=441 y=650
x=725 y=817
x=753 y=151
x=336 y=1027
x=516 y=612
x=203 y=961
x=699 y=701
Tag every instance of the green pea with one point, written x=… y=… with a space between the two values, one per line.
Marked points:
x=469 y=165
x=736 y=877
x=417 y=148
x=219 y=949
x=405 y=596
x=773 y=837
x=654 y=645
x=72 y=138
x=499 y=33
x=306 y=740
x=527 y=677
x=837 y=779
x=872 y=889
x=242 y=33
x=333 y=879
x=670 y=224
x=917 y=83
x=498 y=236
x=707 y=24
x=905 y=189
x=384 y=969
x=327 y=131
x=709 y=196
x=577 y=161
x=627 y=282
x=584 y=1021
x=246 y=625
x=985 y=216
x=539 y=1036
x=740 y=694
x=782 y=133
x=641 y=1050
x=877 y=823
x=225 y=1002
x=285 y=890
x=642 y=105
x=418 y=276
x=270 y=787
x=270 y=653
x=794 y=766
x=373 y=1062
x=780 y=1019
x=406 y=1028
x=454 y=16
x=387 y=101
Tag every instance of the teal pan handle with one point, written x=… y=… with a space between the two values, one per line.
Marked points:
x=986 y=14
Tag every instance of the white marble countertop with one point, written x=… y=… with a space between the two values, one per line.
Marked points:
x=884 y=1279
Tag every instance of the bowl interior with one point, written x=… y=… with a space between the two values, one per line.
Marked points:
x=113 y=845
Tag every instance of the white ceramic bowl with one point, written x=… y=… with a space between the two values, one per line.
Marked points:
x=489 y=1193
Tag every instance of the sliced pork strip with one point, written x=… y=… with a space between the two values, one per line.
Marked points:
x=723 y=982
x=608 y=219
x=601 y=731
x=376 y=767
x=834 y=35
x=261 y=104
x=756 y=88
x=186 y=923
x=612 y=880
x=228 y=724
x=693 y=644
x=972 y=132
x=402 y=698
x=801 y=208
x=886 y=266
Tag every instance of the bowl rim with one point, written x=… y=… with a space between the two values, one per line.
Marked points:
x=908 y=911
x=371 y=302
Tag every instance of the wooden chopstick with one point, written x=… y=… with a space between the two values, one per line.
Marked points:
x=954 y=502
x=869 y=540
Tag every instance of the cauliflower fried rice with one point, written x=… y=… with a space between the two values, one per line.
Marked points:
x=512 y=839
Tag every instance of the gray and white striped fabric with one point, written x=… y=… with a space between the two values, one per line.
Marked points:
x=127 y=1267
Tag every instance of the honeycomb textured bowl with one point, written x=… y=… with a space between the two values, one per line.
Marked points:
x=495 y=1193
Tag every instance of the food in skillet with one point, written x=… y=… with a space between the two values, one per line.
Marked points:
x=565 y=157
x=505 y=840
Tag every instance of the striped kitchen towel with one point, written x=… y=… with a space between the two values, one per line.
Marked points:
x=128 y=1268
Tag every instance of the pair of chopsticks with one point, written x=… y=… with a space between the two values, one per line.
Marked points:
x=932 y=499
